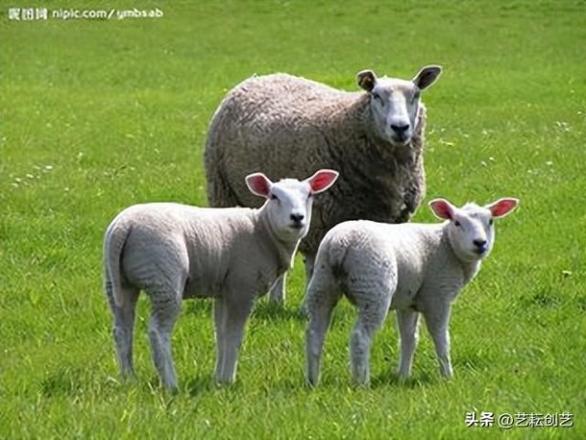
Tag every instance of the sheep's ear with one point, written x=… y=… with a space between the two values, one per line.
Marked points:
x=259 y=184
x=322 y=180
x=503 y=207
x=442 y=209
x=366 y=80
x=427 y=76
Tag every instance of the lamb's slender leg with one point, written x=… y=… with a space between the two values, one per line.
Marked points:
x=319 y=309
x=235 y=316
x=123 y=327
x=277 y=293
x=437 y=320
x=370 y=319
x=407 y=321
x=165 y=310
x=309 y=262
x=219 y=321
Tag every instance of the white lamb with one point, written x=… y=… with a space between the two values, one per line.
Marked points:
x=412 y=268
x=173 y=252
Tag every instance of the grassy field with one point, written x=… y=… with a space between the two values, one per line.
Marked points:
x=99 y=114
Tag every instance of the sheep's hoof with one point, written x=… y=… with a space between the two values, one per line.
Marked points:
x=403 y=379
x=172 y=389
x=303 y=310
x=223 y=382
x=311 y=383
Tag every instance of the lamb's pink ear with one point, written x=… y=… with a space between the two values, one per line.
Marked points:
x=442 y=209
x=322 y=180
x=259 y=184
x=503 y=207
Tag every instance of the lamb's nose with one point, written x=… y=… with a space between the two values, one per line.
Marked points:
x=479 y=243
x=297 y=217
x=400 y=129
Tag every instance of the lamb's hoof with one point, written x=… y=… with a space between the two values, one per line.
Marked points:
x=303 y=312
x=311 y=383
x=403 y=379
x=276 y=301
x=224 y=382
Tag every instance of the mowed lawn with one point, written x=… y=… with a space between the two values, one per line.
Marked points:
x=96 y=115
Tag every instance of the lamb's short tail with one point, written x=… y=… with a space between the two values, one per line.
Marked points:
x=328 y=271
x=114 y=241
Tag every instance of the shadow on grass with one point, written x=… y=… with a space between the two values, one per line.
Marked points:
x=207 y=383
x=65 y=381
x=390 y=378
x=269 y=311
x=263 y=310
x=199 y=385
x=197 y=307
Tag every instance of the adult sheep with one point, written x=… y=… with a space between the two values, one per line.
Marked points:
x=291 y=126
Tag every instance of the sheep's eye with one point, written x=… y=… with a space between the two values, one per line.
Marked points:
x=274 y=197
x=310 y=195
x=457 y=223
x=377 y=97
x=416 y=96
x=490 y=222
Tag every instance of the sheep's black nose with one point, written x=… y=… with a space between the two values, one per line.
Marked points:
x=479 y=243
x=297 y=217
x=400 y=129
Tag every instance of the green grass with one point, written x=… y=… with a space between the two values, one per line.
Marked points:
x=98 y=115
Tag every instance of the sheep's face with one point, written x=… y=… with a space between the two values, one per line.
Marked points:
x=470 y=228
x=394 y=103
x=289 y=201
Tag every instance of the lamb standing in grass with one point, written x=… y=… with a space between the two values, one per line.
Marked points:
x=174 y=252
x=290 y=126
x=412 y=268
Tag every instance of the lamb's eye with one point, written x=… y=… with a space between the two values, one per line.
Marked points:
x=377 y=97
x=490 y=222
x=457 y=223
x=415 y=96
x=274 y=197
x=310 y=195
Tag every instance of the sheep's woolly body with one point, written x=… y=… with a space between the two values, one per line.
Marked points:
x=411 y=268
x=285 y=125
x=173 y=252
x=208 y=248
x=416 y=257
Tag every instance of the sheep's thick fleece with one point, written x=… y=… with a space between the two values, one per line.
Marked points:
x=417 y=258
x=176 y=251
x=411 y=268
x=208 y=251
x=290 y=126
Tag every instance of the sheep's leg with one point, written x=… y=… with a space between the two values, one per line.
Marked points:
x=235 y=316
x=219 y=322
x=123 y=327
x=437 y=320
x=277 y=293
x=407 y=321
x=320 y=316
x=165 y=310
x=370 y=319
x=309 y=262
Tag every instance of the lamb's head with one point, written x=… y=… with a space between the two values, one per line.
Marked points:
x=470 y=228
x=395 y=103
x=289 y=201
